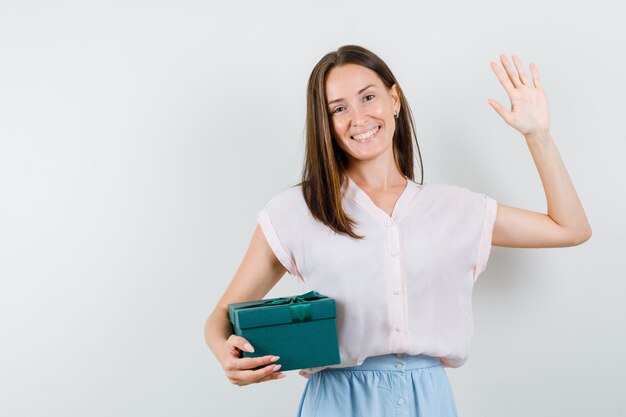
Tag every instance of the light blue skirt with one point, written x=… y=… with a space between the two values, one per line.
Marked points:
x=394 y=385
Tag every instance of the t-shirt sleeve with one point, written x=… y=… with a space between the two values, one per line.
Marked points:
x=484 y=244
x=273 y=219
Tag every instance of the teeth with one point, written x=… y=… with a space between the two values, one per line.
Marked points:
x=365 y=135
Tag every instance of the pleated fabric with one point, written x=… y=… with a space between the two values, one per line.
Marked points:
x=393 y=385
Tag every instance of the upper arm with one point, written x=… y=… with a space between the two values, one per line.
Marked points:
x=259 y=271
x=519 y=228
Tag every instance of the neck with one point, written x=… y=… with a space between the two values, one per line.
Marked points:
x=376 y=177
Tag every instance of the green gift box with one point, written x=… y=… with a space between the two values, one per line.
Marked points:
x=301 y=329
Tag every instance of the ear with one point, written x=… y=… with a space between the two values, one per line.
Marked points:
x=394 y=91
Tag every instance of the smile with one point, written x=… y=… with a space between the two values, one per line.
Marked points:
x=367 y=135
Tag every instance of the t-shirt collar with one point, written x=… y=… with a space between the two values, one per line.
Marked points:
x=360 y=197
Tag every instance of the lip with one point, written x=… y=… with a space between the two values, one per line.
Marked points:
x=371 y=138
x=365 y=131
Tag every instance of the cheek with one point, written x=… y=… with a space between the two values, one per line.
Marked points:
x=339 y=127
x=379 y=111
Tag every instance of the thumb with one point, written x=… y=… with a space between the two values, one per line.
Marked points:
x=498 y=108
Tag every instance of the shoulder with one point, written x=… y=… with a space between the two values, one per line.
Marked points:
x=289 y=198
x=449 y=190
x=454 y=195
x=289 y=203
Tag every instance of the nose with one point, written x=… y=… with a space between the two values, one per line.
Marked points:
x=358 y=116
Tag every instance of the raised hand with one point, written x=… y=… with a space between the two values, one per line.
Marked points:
x=529 y=104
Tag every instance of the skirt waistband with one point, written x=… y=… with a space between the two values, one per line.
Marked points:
x=392 y=362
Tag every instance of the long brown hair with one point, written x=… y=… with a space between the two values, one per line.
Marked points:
x=325 y=162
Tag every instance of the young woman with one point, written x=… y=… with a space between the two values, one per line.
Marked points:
x=399 y=257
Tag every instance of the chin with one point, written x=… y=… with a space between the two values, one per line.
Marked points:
x=368 y=153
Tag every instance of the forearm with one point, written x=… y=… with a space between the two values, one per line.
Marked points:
x=217 y=330
x=564 y=206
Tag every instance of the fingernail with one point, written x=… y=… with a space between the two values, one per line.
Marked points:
x=275 y=358
x=277 y=367
x=248 y=348
x=281 y=375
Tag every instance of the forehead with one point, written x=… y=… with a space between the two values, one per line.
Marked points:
x=346 y=80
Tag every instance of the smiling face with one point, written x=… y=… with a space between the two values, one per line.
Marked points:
x=361 y=110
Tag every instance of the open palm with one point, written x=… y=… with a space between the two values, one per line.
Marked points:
x=529 y=104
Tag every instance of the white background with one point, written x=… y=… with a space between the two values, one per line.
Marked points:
x=138 y=141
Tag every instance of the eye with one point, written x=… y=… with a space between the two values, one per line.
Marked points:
x=370 y=95
x=337 y=108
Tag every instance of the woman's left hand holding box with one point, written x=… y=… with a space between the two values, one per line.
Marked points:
x=241 y=371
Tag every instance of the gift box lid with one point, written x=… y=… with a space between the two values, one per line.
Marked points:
x=275 y=311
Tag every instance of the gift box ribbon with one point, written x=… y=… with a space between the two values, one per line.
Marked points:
x=299 y=307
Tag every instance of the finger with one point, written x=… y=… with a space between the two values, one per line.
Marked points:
x=499 y=109
x=255 y=376
x=251 y=363
x=504 y=80
x=520 y=70
x=509 y=70
x=535 y=74
x=240 y=343
x=275 y=375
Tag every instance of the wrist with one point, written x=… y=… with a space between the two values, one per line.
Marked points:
x=538 y=137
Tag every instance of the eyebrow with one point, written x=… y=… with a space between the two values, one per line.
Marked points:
x=360 y=91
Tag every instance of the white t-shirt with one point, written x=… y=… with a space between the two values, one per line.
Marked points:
x=406 y=287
